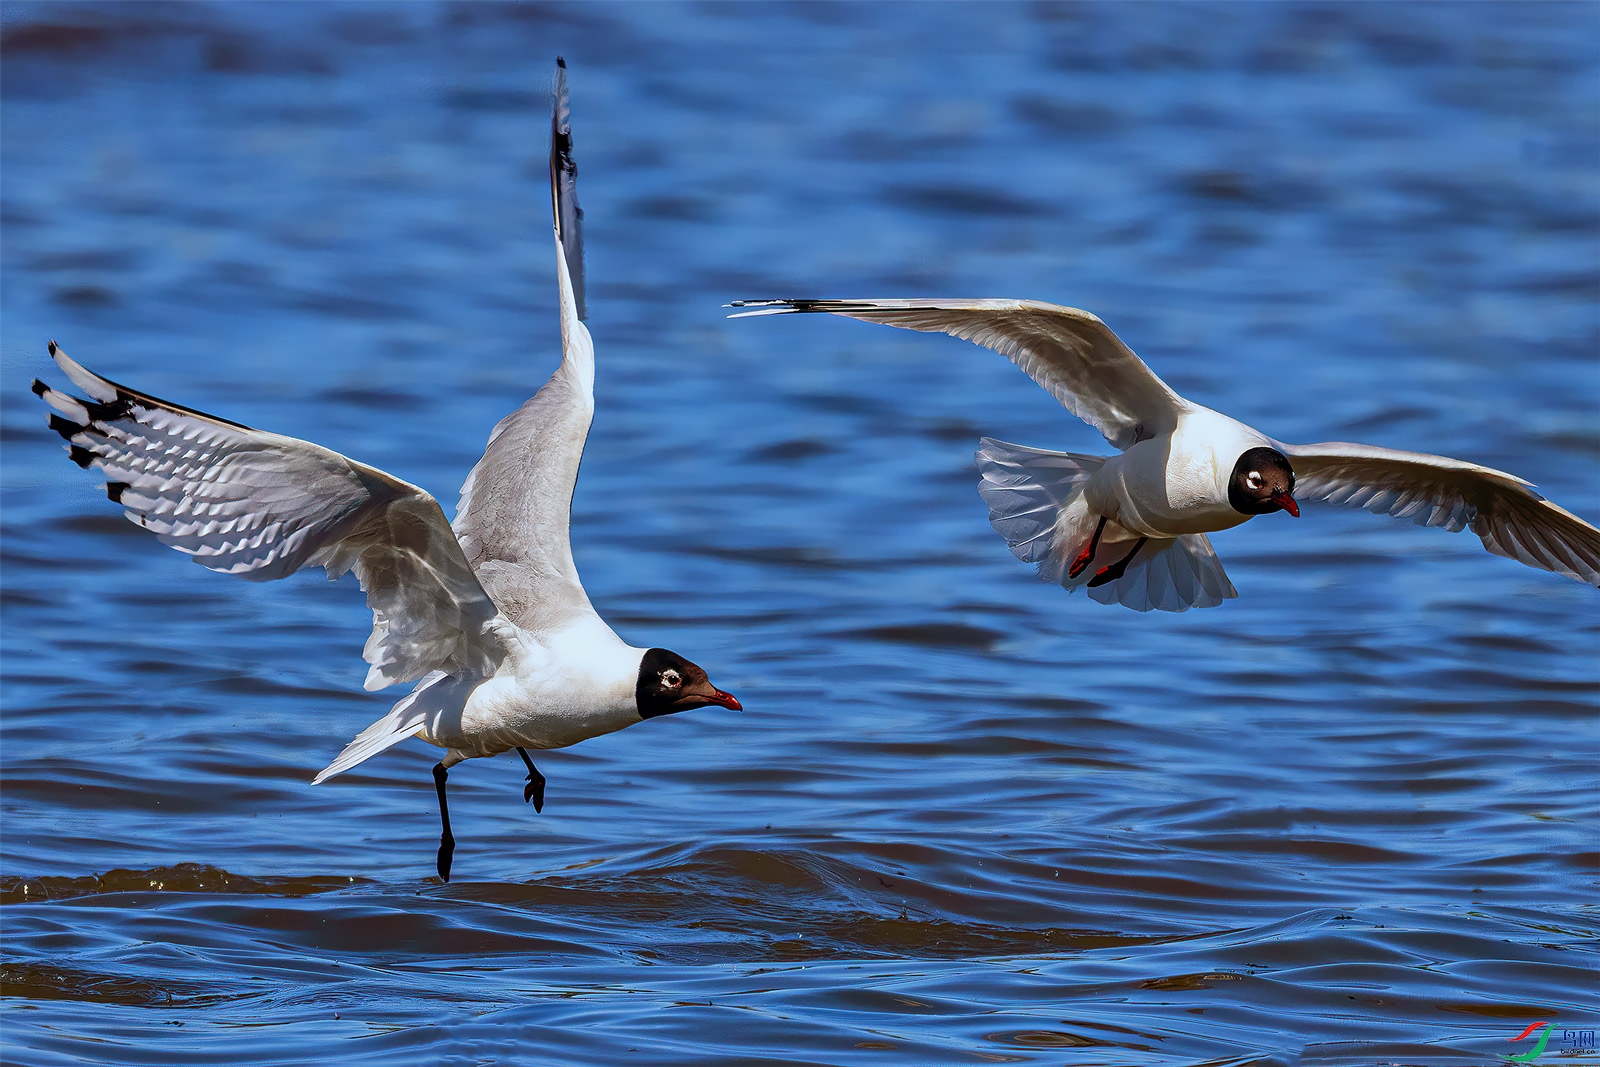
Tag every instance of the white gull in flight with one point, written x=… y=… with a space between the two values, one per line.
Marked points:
x=488 y=618
x=1132 y=527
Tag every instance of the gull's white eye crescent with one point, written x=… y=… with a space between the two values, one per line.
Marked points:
x=1253 y=480
x=671 y=678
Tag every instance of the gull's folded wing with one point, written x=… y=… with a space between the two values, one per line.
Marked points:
x=516 y=505
x=261 y=506
x=1502 y=509
x=1071 y=354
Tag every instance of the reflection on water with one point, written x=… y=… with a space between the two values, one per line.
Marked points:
x=966 y=818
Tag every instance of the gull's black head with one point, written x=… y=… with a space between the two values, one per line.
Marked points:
x=1262 y=483
x=669 y=683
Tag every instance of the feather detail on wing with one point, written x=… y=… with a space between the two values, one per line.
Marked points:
x=1071 y=354
x=262 y=506
x=515 y=511
x=1173 y=575
x=1502 y=509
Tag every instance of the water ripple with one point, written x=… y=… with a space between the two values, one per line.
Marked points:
x=1347 y=818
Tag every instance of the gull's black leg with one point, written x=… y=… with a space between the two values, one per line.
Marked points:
x=1117 y=569
x=447 y=843
x=1088 y=552
x=534 y=790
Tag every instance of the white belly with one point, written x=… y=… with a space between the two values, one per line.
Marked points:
x=558 y=690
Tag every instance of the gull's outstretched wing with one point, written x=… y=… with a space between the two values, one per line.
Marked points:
x=261 y=506
x=1072 y=354
x=516 y=505
x=1502 y=509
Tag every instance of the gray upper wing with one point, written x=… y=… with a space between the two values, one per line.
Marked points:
x=1503 y=510
x=514 y=516
x=1070 y=353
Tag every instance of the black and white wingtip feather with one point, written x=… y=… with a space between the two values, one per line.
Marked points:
x=787 y=307
x=564 y=188
x=262 y=506
x=85 y=422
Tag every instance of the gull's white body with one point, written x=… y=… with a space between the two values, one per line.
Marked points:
x=1167 y=487
x=1170 y=480
x=487 y=617
x=565 y=675
x=554 y=690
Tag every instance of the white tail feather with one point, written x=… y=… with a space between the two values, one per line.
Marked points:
x=436 y=693
x=1035 y=499
x=1026 y=490
x=1173 y=575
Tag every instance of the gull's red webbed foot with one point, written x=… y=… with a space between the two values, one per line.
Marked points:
x=1088 y=552
x=1117 y=569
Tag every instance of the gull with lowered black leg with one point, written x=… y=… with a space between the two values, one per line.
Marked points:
x=488 y=618
x=1132 y=527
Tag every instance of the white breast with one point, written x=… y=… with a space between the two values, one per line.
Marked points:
x=1170 y=486
x=556 y=689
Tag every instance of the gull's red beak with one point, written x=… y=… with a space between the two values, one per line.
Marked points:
x=1286 y=502
x=727 y=700
x=701 y=694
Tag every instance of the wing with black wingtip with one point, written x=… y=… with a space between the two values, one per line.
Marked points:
x=564 y=189
x=515 y=511
x=261 y=506
x=1506 y=513
x=1072 y=354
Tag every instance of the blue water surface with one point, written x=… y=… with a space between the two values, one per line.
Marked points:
x=1349 y=817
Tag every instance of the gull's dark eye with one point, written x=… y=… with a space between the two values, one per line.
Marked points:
x=1253 y=480
x=671 y=679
